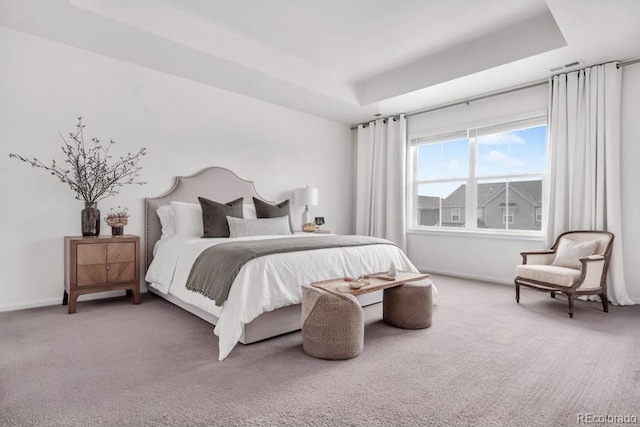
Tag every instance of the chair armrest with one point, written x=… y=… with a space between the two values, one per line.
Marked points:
x=592 y=272
x=539 y=257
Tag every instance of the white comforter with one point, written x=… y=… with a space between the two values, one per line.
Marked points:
x=265 y=283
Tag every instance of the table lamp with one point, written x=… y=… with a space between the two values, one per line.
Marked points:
x=307 y=196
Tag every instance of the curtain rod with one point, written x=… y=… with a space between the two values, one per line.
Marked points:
x=464 y=101
x=489 y=95
x=630 y=62
x=478 y=98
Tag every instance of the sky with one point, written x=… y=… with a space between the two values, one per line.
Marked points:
x=515 y=152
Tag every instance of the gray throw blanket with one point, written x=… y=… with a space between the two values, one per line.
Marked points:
x=215 y=269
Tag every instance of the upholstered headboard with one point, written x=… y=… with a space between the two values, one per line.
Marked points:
x=213 y=183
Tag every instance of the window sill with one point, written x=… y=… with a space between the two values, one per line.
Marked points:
x=492 y=234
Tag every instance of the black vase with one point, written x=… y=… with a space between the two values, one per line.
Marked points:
x=90 y=219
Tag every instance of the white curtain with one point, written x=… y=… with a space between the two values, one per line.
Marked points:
x=381 y=179
x=584 y=134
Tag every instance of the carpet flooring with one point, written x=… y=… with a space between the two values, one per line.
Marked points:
x=485 y=361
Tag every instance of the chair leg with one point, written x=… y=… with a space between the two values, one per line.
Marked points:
x=553 y=294
x=517 y=293
x=570 y=298
x=605 y=303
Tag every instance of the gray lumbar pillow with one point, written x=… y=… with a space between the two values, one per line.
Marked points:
x=267 y=210
x=214 y=216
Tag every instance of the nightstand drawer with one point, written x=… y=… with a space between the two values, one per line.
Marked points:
x=106 y=253
x=89 y=254
x=121 y=272
x=121 y=252
x=92 y=274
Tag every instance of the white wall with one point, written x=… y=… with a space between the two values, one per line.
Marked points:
x=185 y=126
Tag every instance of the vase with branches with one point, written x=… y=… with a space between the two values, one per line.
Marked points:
x=91 y=172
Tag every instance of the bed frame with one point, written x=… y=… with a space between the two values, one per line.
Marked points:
x=220 y=184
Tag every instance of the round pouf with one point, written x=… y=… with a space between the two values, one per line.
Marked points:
x=408 y=306
x=332 y=324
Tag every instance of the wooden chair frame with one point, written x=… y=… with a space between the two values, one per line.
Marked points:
x=588 y=265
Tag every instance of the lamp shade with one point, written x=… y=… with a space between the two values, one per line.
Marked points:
x=309 y=196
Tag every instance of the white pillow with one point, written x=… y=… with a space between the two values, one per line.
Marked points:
x=167 y=220
x=188 y=219
x=239 y=227
x=569 y=252
x=249 y=211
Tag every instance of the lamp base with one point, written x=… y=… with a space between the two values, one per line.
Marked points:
x=306 y=216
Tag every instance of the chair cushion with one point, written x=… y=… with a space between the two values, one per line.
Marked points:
x=559 y=276
x=569 y=252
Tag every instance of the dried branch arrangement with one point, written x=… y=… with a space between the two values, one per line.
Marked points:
x=88 y=169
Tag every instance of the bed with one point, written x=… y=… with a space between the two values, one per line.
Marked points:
x=264 y=299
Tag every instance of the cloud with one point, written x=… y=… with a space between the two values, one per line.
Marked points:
x=502 y=138
x=495 y=156
x=453 y=165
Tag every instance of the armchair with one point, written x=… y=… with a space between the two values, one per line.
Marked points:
x=576 y=264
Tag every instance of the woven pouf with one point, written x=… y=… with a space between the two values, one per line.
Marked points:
x=332 y=324
x=408 y=306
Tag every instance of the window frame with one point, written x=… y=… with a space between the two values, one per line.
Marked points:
x=516 y=123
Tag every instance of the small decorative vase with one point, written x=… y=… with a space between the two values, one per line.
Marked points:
x=117 y=224
x=90 y=219
x=392 y=270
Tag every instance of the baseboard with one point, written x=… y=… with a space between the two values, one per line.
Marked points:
x=499 y=280
x=31 y=304
x=58 y=300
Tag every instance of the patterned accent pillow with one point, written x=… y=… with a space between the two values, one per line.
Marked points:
x=214 y=216
x=258 y=227
x=267 y=210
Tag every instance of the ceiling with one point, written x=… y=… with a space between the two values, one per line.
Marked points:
x=346 y=60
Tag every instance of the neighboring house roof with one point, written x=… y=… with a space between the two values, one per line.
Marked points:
x=530 y=190
x=457 y=198
x=428 y=202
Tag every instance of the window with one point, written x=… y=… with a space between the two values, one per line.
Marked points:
x=481 y=178
x=507 y=214
x=455 y=214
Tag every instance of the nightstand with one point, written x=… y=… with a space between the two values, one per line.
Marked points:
x=99 y=264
